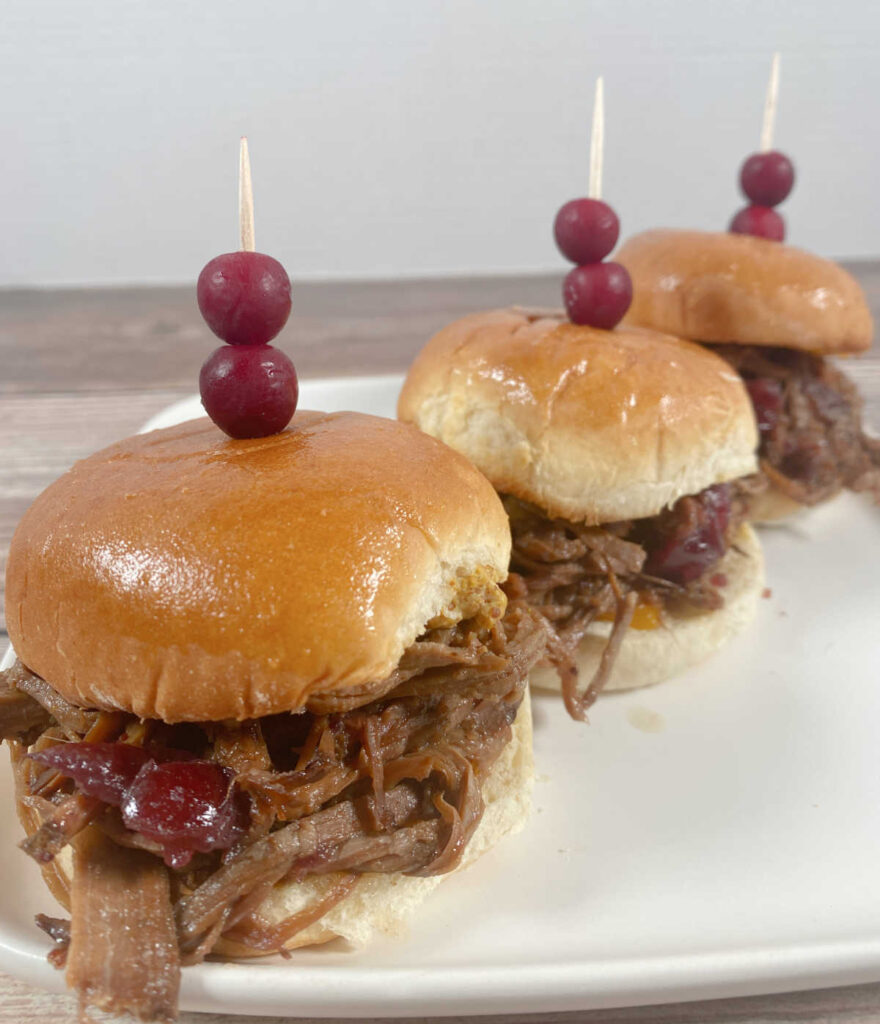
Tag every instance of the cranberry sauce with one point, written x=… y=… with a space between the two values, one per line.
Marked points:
x=686 y=541
x=102 y=770
x=170 y=797
x=186 y=806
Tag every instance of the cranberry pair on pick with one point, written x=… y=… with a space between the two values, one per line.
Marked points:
x=596 y=294
x=248 y=388
x=766 y=178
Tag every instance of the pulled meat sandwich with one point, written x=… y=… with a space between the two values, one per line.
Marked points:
x=775 y=313
x=268 y=691
x=620 y=457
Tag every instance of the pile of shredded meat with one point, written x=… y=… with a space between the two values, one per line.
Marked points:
x=186 y=828
x=810 y=421
x=628 y=573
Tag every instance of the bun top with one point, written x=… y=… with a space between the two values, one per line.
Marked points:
x=185 y=576
x=721 y=287
x=590 y=425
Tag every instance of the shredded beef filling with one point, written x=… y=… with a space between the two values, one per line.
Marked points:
x=190 y=826
x=810 y=421
x=123 y=954
x=628 y=573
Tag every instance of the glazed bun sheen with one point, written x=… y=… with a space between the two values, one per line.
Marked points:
x=592 y=426
x=721 y=287
x=183 y=576
x=596 y=427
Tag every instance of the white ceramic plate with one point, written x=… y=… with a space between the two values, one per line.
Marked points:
x=716 y=835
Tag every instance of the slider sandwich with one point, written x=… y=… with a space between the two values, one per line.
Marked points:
x=268 y=692
x=775 y=314
x=620 y=457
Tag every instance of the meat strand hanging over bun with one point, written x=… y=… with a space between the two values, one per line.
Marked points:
x=622 y=458
x=268 y=692
x=775 y=313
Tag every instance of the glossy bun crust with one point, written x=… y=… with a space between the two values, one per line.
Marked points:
x=720 y=287
x=185 y=576
x=589 y=425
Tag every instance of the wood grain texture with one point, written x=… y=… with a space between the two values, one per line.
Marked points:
x=83 y=368
x=144 y=339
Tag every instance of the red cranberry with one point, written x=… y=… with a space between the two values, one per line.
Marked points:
x=767 y=178
x=244 y=297
x=102 y=770
x=597 y=295
x=249 y=391
x=586 y=230
x=186 y=806
x=692 y=537
x=766 y=396
x=717 y=500
x=683 y=559
x=761 y=221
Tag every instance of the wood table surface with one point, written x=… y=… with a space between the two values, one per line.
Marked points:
x=82 y=368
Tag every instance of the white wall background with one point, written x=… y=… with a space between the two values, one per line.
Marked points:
x=413 y=137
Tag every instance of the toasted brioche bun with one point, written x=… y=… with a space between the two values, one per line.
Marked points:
x=379 y=902
x=185 y=576
x=720 y=287
x=587 y=424
x=649 y=656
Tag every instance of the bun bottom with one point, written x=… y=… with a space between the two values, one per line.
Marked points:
x=379 y=903
x=772 y=506
x=383 y=903
x=647 y=657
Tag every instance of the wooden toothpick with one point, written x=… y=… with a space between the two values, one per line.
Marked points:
x=597 y=141
x=770 y=106
x=245 y=198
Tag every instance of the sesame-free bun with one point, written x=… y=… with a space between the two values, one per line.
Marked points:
x=721 y=287
x=186 y=576
x=589 y=425
x=379 y=902
x=649 y=656
x=772 y=506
